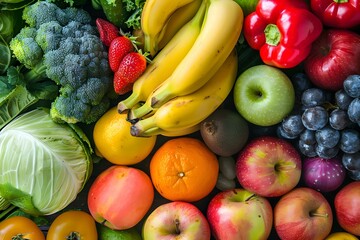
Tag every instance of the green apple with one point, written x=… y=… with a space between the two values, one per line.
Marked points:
x=264 y=95
x=106 y=233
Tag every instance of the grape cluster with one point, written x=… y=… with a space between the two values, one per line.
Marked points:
x=324 y=123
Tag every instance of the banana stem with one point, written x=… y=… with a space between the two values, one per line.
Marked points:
x=137 y=113
x=129 y=102
x=142 y=126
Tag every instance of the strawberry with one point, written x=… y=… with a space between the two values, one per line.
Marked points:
x=131 y=68
x=107 y=31
x=118 y=49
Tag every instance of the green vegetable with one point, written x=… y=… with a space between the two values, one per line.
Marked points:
x=68 y=3
x=135 y=8
x=19 y=90
x=44 y=164
x=5 y=55
x=125 y=14
x=115 y=12
x=62 y=45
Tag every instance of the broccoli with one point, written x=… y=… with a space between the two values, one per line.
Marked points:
x=64 y=46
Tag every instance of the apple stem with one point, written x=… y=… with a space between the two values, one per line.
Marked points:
x=250 y=197
x=284 y=167
x=177 y=226
x=314 y=214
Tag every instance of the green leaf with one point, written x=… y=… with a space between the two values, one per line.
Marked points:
x=18 y=198
x=5 y=55
x=14 y=103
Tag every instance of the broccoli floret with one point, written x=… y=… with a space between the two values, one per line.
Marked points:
x=49 y=35
x=77 y=15
x=25 y=48
x=72 y=56
x=42 y=12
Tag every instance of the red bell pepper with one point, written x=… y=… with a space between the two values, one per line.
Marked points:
x=337 y=13
x=283 y=31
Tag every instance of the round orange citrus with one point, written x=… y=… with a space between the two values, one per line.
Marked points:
x=184 y=169
x=114 y=142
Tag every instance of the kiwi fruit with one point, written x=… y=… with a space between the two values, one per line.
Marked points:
x=225 y=132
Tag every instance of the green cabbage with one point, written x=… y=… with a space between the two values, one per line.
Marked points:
x=43 y=164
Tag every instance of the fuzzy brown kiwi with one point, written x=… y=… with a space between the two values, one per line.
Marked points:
x=225 y=132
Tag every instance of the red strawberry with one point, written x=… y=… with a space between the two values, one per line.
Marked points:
x=131 y=68
x=118 y=49
x=107 y=31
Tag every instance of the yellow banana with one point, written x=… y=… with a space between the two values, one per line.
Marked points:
x=164 y=63
x=178 y=19
x=174 y=133
x=219 y=34
x=154 y=16
x=189 y=110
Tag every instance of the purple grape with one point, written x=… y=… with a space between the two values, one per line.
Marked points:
x=350 y=141
x=283 y=134
x=293 y=125
x=354 y=174
x=308 y=137
x=352 y=86
x=342 y=99
x=308 y=150
x=327 y=137
x=354 y=110
x=315 y=118
x=325 y=152
x=301 y=82
x=313 y=97
x=351 y=161
x=339 y=119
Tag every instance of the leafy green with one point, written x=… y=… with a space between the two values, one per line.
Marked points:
x=44 y=164
x=19 y=90
x=135 y=8
x=5 y=55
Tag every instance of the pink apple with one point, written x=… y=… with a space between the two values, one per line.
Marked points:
x=303 y=214
x=347 y=207
x=240 y=214
x=176 y=220
x=120 y=197
x=268 y=166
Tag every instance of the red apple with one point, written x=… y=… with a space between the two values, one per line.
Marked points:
x=240 y=214
x=120 y=197
x=176 y=220
x=347 y=207
x=268 y=166
x=334 y=56
x=303 y=214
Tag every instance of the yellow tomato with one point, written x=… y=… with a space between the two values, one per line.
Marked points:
x=341 y=236
x=19 y=227
x=73 y=224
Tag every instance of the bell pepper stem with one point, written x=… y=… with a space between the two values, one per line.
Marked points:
x=272 y=35
x=340 y=1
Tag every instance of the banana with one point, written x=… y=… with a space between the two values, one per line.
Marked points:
x=164 y=63
x=219 y=34
x=154 y=17
x=189 y=110
x=178 y=19
x=174 y=133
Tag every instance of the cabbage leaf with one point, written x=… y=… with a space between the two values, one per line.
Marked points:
x=43 y=164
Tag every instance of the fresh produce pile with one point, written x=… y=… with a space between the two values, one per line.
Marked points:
x=194 y=119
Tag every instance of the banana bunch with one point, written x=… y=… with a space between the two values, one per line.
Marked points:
x=193 y=69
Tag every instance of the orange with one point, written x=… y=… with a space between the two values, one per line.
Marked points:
x=114 y=142
x=184 y=169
